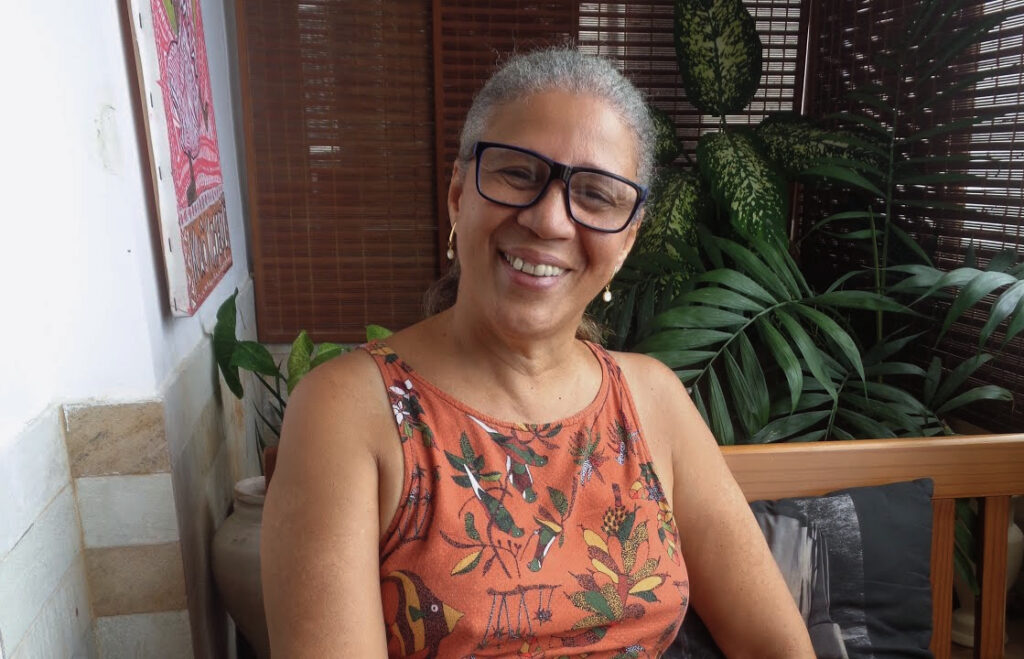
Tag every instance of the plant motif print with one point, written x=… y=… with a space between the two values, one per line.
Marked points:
x=587 y=453
x=408 y=412
x=470 y=472
x=533 y=531
x=520 y=456
x=623 y=570
x=625 y=440
x=413 y=514
x=649 y=487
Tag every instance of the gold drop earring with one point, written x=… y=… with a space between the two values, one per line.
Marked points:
x=607 y=295
x=451 y=244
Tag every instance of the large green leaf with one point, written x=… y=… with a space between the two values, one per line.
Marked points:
x=836 y=334
x=754 y=374
x=326 y=352
x=677 y=359
x=783 y=355
x=667 y=146
x=853 y=299
x=743 y=397
x=224 y=342
x=752 y=265
x=719 y=53
x=377 y=332
x=253 y=356
x=721 y=422
x=299 y=359
x=681 y=339
x=697 y=316
x=787 y=426
x=723 y=297
x=980 y=286
x=984 y=392
x=956 y=378
x=679 y=201
x=738 y=282
x=794 y=144
x=846 y=175
x=808 y=349
x=744 y=183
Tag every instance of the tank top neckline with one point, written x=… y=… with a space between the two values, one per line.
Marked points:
x=587 y=412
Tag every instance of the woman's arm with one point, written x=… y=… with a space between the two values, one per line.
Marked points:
x=735 y=584
x=319 y=549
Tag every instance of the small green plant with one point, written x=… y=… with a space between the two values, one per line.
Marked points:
x=233 y=355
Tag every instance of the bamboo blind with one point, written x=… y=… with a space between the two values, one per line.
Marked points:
x=352 y=114
x=639 y=37
x=470 y=37
x=338 y=110
x=844 y=42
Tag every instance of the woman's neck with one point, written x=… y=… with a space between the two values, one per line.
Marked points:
x=536 y=379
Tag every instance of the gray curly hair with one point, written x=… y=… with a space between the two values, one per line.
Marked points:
x=569 y=70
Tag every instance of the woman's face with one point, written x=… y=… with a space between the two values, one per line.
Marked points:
x=492 y=240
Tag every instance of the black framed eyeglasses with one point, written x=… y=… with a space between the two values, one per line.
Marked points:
x=513 y=176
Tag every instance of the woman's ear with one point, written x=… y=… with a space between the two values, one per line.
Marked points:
x=455 y=189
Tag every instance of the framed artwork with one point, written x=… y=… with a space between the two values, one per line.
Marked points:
x=174 y=79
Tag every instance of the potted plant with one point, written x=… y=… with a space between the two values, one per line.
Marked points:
x=235 y=549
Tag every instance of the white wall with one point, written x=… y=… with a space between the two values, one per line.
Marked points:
x=84 y=314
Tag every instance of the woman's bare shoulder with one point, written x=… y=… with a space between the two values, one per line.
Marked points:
x=650 y=381
x=343 y=398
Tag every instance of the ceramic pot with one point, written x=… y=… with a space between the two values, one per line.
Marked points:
x=236 y=563
x=963 y=618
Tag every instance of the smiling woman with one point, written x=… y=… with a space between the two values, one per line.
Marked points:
x=485 y=483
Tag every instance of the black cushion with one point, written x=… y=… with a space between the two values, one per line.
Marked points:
x=857 y=562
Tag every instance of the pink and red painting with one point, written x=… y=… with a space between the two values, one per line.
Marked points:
x=185 y=158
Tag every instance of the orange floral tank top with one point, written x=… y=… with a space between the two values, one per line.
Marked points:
x=524 y=540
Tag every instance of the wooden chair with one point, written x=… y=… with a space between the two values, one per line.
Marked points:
x=989 y=467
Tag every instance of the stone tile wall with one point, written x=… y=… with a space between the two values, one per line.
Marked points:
x=107 y=513
x=121 y=467
x=44 y=596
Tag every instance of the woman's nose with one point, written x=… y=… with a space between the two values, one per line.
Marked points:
x=549 y=216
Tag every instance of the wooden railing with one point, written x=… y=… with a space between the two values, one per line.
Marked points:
x=988 y=467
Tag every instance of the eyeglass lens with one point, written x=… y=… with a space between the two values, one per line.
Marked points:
x=515 y=178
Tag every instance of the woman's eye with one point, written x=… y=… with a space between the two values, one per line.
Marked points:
x=518 y=176
x=592 y=196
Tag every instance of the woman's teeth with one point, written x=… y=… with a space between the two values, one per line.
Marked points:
x=541 y=270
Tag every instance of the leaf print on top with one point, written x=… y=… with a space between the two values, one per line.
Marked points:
x=519 y=458
x=648 y=487
x=549 y=528
x=585 y=448
x=610 y=588
x=408 y=412
x=625 y=438
x=534 y=531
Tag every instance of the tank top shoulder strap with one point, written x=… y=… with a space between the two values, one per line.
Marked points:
x=619 y=392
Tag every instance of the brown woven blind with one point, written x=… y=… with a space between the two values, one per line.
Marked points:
x=638 y=35
x=844 y=41
x=338 y=113
x=470 y=37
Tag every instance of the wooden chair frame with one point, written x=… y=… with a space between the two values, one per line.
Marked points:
x=988 y=467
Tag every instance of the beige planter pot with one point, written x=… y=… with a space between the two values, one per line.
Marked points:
x=236 y=564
